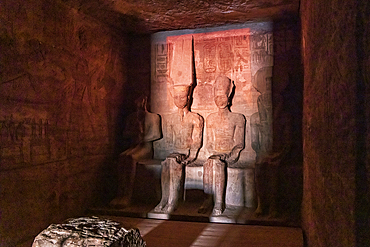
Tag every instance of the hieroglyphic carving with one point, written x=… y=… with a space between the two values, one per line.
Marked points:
x=261 y=50
x=72 y=94
x=209 y=58
x=161 y=60
x=245 y=56
x=24 y=140
x=225 y=57
x=40 y=142
x=11 y=140
x=238 y=54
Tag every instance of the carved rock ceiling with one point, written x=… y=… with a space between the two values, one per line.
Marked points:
x=147 y=16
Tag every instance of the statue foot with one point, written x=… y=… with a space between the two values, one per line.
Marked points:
x=169 y=208
x=218 y=209
x=273 y=212
x=216 y=212
x=258 y=212
x=206 y=205
x=159 y=208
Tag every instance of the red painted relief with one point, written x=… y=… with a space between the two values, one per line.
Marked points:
x=238 y=54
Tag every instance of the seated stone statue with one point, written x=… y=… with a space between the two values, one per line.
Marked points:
x=142 y=128
x=225 y=140
x=266 y=178
x=185 y=129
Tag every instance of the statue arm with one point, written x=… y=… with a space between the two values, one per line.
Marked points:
x=255 y=142
x=239 y=134
x=168 y=135
x=133 y=130
x=197 y=137
x=210 y=136
x=153 y=129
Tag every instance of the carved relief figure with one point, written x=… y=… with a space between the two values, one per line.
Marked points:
x=267 y=163
x=142 y=127
x=260 y=130
x=185 y=129
x=225 y=140
x=261 y=122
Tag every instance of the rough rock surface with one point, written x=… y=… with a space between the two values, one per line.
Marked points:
x=88 y=231
x=158 y=15
x=335 y=123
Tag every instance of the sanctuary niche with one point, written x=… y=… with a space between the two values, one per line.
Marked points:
x=243 y=56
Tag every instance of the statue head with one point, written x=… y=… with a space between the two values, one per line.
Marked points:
x=180 y=94
x=141 y=102
x=222 y=90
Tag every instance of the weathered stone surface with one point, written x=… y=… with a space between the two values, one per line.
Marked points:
x=88 y=231
x=336 y=164
x=241 y=52
x=225 y=141
x=245 y=55
x=159 y=15
x=62 y=76
x=185 y=135
x=141 y=129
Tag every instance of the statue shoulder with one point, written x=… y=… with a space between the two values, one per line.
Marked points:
x=239 y=117
x=153 y=116
x=212 y=116
x=196 y=116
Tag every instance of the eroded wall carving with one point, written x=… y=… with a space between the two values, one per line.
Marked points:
x=61 y=79
x=55 y=101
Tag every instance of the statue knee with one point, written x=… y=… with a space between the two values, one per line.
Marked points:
x=220 y=164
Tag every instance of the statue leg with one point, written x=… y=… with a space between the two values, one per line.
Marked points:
x=165 y=180
x=208 y=177
x=175 y=185
x=207 y=186
x=131 y=174
x=126 y=169
x=219 y=168
x=263 y=188
x=273 y=211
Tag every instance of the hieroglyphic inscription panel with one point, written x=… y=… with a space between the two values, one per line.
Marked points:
x=242 y=53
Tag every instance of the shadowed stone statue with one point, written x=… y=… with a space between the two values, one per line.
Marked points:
x=142 y=128
x=185 y=131
x=225 y=140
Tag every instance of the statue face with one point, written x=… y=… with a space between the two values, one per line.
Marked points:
x=180 y=96
x=222 y=89
x=140 y=103
x=221 y=100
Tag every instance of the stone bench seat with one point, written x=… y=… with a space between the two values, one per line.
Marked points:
x=240 y=189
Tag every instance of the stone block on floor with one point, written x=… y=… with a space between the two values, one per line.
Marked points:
x=88 y=231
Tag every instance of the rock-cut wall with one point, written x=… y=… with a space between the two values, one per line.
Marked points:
x=62 y=77
x=336 y=124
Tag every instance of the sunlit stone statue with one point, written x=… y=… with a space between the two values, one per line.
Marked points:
x=225 y=140
x=185 y=129
x=142 y=128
